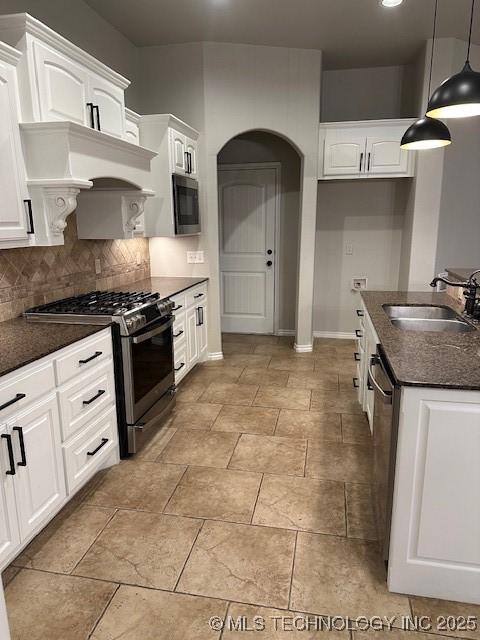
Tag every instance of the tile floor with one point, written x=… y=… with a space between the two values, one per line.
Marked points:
x=253 y=501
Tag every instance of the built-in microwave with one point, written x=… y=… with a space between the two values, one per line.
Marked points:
x=185 y=205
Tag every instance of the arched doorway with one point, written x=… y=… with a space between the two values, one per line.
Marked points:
x=259 y=184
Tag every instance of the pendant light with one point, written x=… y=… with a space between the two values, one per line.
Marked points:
x=459 y=95
x=427 y=133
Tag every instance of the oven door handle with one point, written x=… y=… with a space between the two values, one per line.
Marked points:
x=154 y=332
x=386 y=395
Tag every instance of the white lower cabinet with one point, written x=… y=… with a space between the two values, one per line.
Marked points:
x=190 y=344
x=39 y=480
x=367 y=342
x=53 y=437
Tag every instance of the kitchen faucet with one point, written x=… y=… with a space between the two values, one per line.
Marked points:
x=471 y=285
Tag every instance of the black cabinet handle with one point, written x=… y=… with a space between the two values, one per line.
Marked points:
x=199 y=316
x=95 y=355
x=368 y=167
x=358 y=333
x=97 y=111
x=360 y=313
x=102 y=444
x=269 y=263
x=29 y=212
x=356 y=356
x=95 y=397
x=355 y=383
x=182 y=364
x=369 y=384
x=201 y=321
x=18 y=397
x=8 y=438
x=361 y=160
x=199 y=295
x=23 y=462
x=92 y=119
x=269 y=252
x=177 y=335
x=185 y=153
x=180 y=306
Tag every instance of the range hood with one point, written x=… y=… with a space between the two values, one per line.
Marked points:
x=63 y=158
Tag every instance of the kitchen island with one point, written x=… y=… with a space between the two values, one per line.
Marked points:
x=434 y=545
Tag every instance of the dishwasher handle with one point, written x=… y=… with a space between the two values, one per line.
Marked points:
x=386 y=395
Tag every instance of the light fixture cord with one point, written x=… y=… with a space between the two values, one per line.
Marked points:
x=433 y=46
x=470 y=32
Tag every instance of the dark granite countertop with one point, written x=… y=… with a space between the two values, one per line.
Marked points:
x=22 y=342
x=460 y=273
x=427 y=359
x=164 y=285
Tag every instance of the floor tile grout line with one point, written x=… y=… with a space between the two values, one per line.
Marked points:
x=345 y=508
x=233 y=452
x=289 y=606
x=104 y=611
x=256 y=499
x=175 y=488
x=188 y=557
x=95 y=539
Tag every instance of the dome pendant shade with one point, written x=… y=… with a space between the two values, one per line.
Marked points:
x=426 y=133
x=457 y=97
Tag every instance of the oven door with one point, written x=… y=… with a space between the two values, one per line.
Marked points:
x=147 y=367
x=185 y=204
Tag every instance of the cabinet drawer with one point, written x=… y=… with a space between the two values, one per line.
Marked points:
x=84 y=453
x=180 y=362
x=20 y=388
x=179 y=302
x=83 y=399
x=83 y=356
x=179 y=329
x=196 y=295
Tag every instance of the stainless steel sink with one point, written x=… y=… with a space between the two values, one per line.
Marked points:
x=426 y=318
x=420 y=312
x=432 y=324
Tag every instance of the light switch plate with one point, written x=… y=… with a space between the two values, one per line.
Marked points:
x=348 y=249
x=195 y=257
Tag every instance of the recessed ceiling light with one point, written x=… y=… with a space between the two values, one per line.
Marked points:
x=390 y=3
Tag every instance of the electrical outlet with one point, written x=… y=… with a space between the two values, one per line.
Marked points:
x=98 y=266
x=348 y=249
x=359 y=284
x=191 y=257
x=200 y=257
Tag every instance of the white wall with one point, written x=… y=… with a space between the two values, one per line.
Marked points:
x=258 y=146
x=367 y=94
x=369 y=214
x=78 y=22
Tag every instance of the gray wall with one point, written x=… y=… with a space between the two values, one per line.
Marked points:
x=257 y=146
x=367 y=94
x=80 y=24
x=369 y=215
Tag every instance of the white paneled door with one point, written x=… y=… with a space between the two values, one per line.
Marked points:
x=247 y=209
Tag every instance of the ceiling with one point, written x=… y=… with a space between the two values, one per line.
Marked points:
x=351 y=33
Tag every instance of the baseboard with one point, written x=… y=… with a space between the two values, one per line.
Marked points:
x=215 y=356
x=285 y=332
x=337 y=335
x=303 y=348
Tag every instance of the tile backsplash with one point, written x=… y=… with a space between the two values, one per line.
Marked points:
x=36 y=275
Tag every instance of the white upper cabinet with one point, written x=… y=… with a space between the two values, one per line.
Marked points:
x=63 y=91
x=132 y=132
x=13 y=219
x=368 y=149
x=178 y=148
x=61 y=82
x=191 y=158
x=108 y=106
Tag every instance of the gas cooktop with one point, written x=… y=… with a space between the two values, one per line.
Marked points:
x=131 y=311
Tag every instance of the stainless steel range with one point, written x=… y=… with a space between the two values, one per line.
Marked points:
x=144 y=353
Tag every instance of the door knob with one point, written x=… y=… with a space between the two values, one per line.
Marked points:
x=269 y=252
x=269 y=263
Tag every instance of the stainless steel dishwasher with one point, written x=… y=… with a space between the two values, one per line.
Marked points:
x=385 y=434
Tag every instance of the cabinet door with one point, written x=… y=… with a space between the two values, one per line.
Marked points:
x=191 y=149
x=384 y=155
x=192 y=337
x=9 y=534
x=344 y=153
x=202 y=330
x=40 y=484
x=111 y=106
x=178 y=145
x=62 y=87
x=12 y=179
